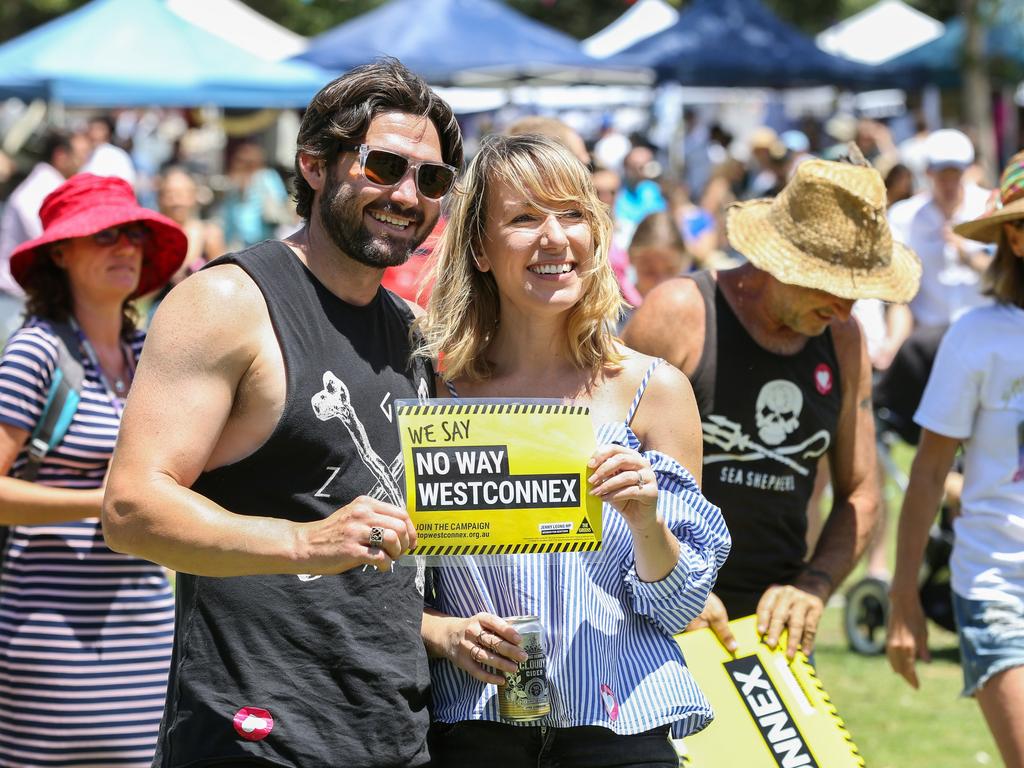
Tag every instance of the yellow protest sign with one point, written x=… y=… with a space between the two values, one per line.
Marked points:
x=769 y=712
x=486 y=477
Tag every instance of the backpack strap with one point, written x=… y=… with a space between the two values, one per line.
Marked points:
x=61 y=401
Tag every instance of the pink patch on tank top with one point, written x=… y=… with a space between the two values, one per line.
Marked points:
x=610 y=704
x=823 y=379
x=253 y=724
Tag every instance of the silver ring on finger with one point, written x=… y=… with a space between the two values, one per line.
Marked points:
x=478 y=654
x=376 y=536
x=640 y=481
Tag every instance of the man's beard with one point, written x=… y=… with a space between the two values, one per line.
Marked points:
x=342 y=220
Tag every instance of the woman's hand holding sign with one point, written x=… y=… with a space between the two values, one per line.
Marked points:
x=624 y=479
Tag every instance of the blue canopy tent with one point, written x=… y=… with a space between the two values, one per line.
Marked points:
x=138 y=53
x=739 y=43
x=940 y=62
x=462 y=42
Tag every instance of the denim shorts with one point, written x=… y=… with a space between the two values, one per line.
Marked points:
x=991 y=638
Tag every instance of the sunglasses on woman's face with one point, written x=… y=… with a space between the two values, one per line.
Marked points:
x=137 y=234
x=386 y=169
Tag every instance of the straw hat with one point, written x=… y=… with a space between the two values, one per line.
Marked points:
x=86 y=204
x=1008 y=206
x=827 y=230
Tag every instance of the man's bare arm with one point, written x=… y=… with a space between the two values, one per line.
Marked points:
x=670 y=324
x=204 y=340
x=854 y=467
x=798 y=607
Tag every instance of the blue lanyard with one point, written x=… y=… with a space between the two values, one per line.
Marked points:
x=115 y=399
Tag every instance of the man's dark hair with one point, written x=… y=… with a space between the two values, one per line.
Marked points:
x=55 y=139
x=341 y=113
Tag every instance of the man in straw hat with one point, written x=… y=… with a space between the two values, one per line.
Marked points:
x=259 y=459
x=782 y=377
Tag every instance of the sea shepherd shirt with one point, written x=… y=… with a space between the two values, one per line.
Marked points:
x=308 y=671
x=767 y=419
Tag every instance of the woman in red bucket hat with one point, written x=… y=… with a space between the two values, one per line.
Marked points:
x=85 y=639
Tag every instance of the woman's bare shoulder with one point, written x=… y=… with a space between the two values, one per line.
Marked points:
x=664 y=375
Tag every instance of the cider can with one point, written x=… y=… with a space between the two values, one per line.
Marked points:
x=524 y=696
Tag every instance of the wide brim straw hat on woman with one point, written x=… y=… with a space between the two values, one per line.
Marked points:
x=1008 y=206
x=827 y=230
x=86 y=204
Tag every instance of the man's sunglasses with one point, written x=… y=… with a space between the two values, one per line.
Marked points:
x=137 y=234
x=385 y=168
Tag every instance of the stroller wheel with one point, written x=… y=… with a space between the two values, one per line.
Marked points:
x=865 y=616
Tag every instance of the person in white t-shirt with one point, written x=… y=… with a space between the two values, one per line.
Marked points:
x=107 y=159
x=975 y=398
x=951 y=282
x=63 y=156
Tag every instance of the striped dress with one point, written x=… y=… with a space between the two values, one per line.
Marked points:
x=85 y=633
x=608 y=636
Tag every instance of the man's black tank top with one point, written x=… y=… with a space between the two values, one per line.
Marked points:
x=309 y=671
x=767 y=418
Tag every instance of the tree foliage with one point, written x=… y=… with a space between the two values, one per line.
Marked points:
x=22 y=15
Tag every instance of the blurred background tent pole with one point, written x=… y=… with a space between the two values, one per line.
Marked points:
x=58 y=116
x=977 y=90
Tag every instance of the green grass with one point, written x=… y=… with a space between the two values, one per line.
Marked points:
x=893 y=725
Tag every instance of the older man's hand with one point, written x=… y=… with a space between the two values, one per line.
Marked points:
x=794 y=608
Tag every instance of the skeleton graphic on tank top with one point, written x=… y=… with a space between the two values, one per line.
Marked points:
x=334 y=402
x=777 y=416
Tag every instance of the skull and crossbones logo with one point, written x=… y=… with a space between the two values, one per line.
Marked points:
x=778 y=411
x=777 y=417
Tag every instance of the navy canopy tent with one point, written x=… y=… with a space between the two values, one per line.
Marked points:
x=136 y=52
x=739 y=43
x=460 y=42
x=940 y=62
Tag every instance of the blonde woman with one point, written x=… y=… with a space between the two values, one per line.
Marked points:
x=522 y=306
x=975 y=399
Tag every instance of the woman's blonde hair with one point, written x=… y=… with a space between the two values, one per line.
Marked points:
x=464 y=305
x=1004 y=278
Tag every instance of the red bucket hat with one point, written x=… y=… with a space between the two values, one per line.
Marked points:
x=86 y=204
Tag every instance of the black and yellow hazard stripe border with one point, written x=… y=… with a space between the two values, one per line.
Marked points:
x=492 y=408
x=508 y=549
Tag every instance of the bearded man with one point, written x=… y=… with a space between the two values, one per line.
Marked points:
x=258 y=459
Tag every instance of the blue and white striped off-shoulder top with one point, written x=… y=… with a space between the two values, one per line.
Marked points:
x=611 y=657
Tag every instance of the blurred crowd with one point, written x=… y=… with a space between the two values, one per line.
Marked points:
x=147 y=200
x=228 y=195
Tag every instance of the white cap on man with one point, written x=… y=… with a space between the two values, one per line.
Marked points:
x=948 y=148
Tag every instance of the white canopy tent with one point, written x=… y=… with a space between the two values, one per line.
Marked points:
x=879 y=33
x=239 y=24
x=643 y=19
